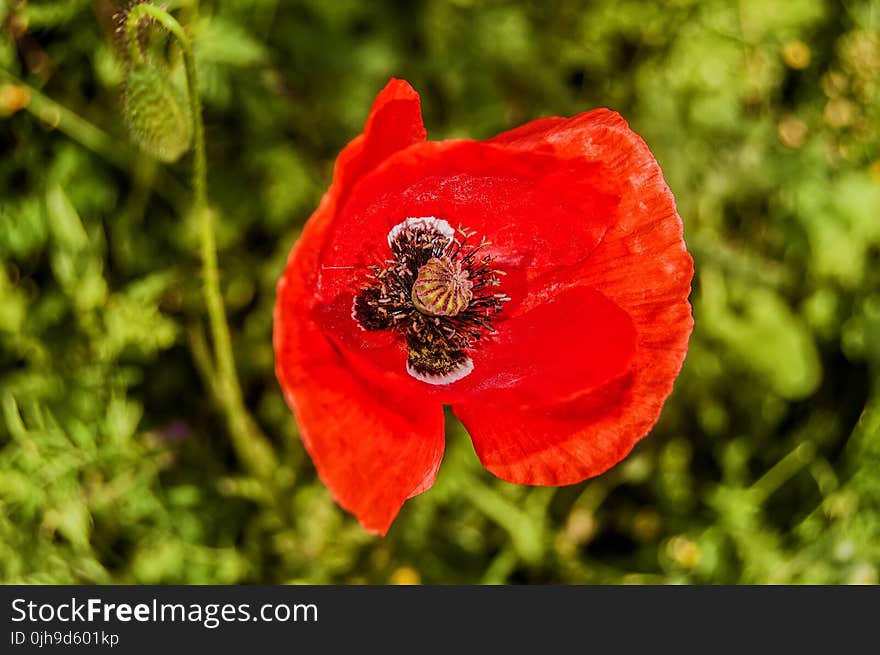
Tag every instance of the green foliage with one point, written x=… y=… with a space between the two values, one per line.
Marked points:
x=115 y=465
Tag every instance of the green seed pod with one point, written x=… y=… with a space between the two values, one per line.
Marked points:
x=442 y=288
x=157 y=113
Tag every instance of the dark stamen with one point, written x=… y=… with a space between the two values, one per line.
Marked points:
x=434 y=292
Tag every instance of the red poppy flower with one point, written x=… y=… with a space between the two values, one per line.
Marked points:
x=536 y=282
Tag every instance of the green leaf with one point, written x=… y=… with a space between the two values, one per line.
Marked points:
x=220 y=41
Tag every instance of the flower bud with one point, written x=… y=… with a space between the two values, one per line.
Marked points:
x=157 y=113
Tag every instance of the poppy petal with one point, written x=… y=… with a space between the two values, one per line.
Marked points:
x=373 y=452
x=554 y=445
x=642 y=266
x=576 y=340
x=539 y=212
x=395 y=122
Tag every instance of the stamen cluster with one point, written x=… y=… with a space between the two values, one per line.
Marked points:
x=440 y=324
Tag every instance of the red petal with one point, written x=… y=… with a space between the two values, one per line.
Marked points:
x=538 y=211
x=555 y=445
x=372 y=452
x=395 y=122
x=642 y=266
x=576 y=340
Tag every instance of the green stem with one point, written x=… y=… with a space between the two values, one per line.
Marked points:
x=785 y=469
x=59 y=117
x=524 y=530
x=250 y=444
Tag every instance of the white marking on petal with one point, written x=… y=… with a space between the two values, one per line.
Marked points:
x=461 y=371
x=354 y=314
x=427 y=223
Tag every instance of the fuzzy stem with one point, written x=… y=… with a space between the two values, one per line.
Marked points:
x=249 y=443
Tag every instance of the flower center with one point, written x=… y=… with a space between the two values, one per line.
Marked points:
x=442 y=288
x=437 y=292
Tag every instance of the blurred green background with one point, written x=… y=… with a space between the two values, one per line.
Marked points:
x=115 y=464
